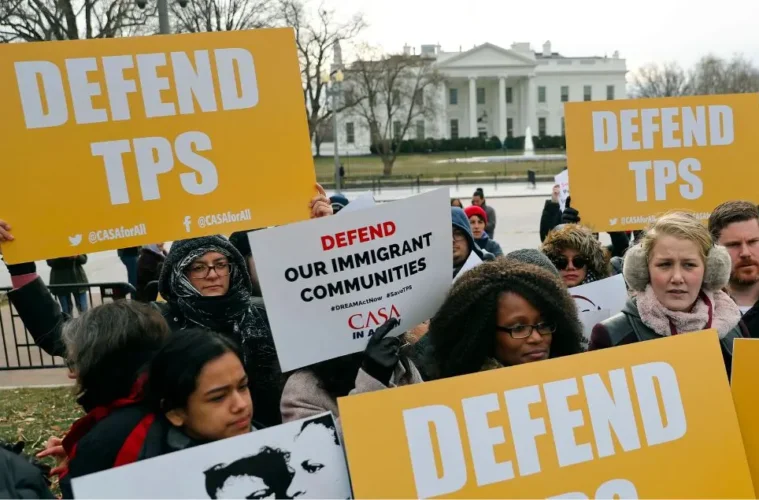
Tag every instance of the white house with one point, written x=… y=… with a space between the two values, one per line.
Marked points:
x=493 y=91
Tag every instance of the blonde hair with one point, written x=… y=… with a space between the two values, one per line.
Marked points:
x=681 y=225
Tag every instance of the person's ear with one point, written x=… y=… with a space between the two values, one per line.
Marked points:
x=177 y=417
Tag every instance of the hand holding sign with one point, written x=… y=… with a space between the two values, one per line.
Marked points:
x=320 y=205
x=570 y=215
x=5 y=232
x=382 y=352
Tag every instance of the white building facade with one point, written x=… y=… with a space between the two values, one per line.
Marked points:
x=491 y=91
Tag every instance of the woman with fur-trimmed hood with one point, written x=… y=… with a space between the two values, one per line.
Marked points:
x=676 y=275
x=577 y=254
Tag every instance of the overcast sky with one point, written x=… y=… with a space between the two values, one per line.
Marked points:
x=642 y=30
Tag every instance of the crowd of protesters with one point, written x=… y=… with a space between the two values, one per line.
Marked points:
x=158 y=377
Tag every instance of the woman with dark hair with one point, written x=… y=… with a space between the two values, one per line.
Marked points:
x=205 y=283
x=315 y=389
x=455 y=202
x=502 y=313
x=198 y=387
x=108 y=349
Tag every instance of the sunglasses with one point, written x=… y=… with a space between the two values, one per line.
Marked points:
x=561 y=262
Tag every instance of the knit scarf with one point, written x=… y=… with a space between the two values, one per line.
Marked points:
x=231 y=314
x=724 y=314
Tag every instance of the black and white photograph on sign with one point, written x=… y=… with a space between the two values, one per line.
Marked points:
x=330 y=283
x=300 y=459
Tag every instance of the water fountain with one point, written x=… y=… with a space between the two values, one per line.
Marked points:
x=529 y=148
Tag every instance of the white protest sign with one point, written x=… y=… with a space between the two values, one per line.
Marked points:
x=329 y=283
x=562 y=180
x=364 y=200
x=599 y=300
x=471 y=262
x=270 y=463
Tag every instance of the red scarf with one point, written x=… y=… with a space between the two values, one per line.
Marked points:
x=131 y=448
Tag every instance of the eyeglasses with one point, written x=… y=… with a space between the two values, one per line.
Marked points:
x=524 y=331
x=561 y=262
x=202 y=271
x=458 y=236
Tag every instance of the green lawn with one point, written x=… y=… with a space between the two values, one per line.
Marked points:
x=33 y=415
x=426 y=166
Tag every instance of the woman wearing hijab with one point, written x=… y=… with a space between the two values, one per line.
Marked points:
x=205 y=283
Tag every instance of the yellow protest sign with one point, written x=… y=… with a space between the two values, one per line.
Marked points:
x=632 y=160
x=647 y=420
x=121 y=142
x=743 y=383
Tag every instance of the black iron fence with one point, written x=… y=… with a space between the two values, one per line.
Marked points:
x=17 y=348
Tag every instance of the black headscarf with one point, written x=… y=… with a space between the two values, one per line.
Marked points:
x=231 y=314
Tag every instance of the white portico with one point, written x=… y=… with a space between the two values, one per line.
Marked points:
x=494 y=91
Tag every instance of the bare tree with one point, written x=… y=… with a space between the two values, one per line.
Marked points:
x=714 y=75
x=668 y=80
x=391 y=93
x=222 y=15
x=44 y=20
x=317 y=35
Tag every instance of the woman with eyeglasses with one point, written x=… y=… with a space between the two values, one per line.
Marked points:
x=502 y=313
x=577 y=254
x=205 y=283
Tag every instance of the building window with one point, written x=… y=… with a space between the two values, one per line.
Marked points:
x=509 y=95
x=563 y=130
x=419 y=98
x=350 y=133
x=397 y=129
x=453 y=97
x=587 y=93
x=542 y=95
x=610 y=92
x=565 y=93
x=454 y=129
x=509 y=127
x=396 y=97
x=541 y=127
x=481 y=95
x=420 y=129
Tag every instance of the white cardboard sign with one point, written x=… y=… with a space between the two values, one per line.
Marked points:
x=472 y=261
x=278 y=462
x=328 y=283
x=364 y=200
x=599 y=300
x=562 y=180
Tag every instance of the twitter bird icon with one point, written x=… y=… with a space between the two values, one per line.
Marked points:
x=75 y=240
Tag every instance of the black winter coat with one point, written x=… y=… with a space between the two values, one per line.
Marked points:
x=20 y=479
x=751 y=320
x=551 y=217
x=43 y=318
x=148 y=269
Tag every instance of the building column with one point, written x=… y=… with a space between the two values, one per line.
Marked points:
x=472 y=106
x=502 y=107
x=444 y=131
x=532 y=104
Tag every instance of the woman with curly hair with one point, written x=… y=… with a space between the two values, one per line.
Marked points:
x=577 y=254
x=502 y=313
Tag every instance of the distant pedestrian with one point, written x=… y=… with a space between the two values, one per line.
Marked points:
x=478 y=220
x=129 y=258
x=455 y=202
x=478 y=198
x=149 y=267
x=69 y=271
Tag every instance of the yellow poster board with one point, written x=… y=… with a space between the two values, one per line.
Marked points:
x=123 y=142
x=632 y=160
x=647 y=420
x=745 y=374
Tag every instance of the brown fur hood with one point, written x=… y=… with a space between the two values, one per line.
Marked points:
x=580 y=239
